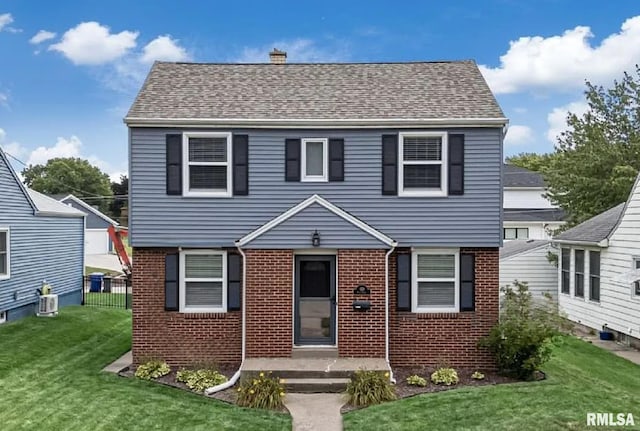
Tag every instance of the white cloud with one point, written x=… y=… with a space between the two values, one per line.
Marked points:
x=557 y=118
x=563 y=62
x=5 y=20
x=298 y=51
x=42 y=36
x=12 y=148
x=164 y=48
x=114 y=177
x=62 y=148
x=518 y=135
x=90 y=43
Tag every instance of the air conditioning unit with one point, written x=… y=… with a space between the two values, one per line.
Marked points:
x=48 y=305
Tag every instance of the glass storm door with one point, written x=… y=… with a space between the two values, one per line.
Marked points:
x=315 y=304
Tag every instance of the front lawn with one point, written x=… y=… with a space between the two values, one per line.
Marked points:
x=51 y=379
x=581 y=378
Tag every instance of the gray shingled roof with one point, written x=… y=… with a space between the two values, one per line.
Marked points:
x=51 y=206
x=528 y=214
x=427 y=90
x=512 y=248
x=515 y=176
x=596 y=228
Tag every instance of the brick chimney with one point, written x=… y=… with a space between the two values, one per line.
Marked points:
x=277 y=57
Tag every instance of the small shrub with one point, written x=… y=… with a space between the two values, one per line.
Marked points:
x=477 y=376
x=261 y=392
x=369 y=387
x=152 y=369
x=521 y=341
x=416 y=380
x=445 y=376
x=199 y=380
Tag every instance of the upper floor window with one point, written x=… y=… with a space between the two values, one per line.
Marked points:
x=315 y=160
x=4 y=253
x=207 y=164
x=436 y=281
x=516 y=232
x=422 y=164
x=203 y=277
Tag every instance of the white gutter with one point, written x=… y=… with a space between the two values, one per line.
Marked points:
x=603 y=243
x=232 y=381
x=386 y=310
x=300 y=123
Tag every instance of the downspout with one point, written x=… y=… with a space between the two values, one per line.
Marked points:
x=386 y=310
x=232 y=381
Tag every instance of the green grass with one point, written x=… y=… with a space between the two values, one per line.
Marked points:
x=106 y=299
x=51 y=379
x=581 y=378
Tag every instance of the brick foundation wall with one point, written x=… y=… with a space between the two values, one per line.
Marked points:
x=178 y=338
x=269 y=303
x=361 y=334
x=427 y=339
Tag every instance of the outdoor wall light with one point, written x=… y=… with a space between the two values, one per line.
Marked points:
x=315 y=239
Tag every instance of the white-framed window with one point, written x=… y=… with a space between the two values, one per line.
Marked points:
x=422 y=164
x=206 y=160
x=635 y=290
x=435 y=281
x=565 y=270
x=516 y=233
x=5 y=253
x=578 y=273
x=314 y=160
x=594 y=275
x=203 y=280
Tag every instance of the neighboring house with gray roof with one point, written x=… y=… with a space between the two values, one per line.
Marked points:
x=526 y=261
x=528 y=214
x=40 y=239
x=599 y=270
x=303 y=195
x=97 y=240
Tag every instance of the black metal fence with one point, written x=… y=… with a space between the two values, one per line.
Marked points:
x=102 y=291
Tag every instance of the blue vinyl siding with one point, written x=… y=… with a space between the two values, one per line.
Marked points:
x=472 y=219
x=41 y=248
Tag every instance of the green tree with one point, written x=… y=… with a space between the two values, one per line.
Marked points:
x=598 y=157
x=71 y=176
x=120 y=191
x=532 y=161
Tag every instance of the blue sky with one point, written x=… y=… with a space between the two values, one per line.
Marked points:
x=71 y=69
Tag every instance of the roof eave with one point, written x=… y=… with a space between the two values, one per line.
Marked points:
x=602 y=243
x=298 y=123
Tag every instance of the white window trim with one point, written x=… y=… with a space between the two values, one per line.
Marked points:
x=186 y=164
x=414 y=281
x=444 y=175
x=634 y=259
x=561 y=268
x=325 y=161
x=183 y=280
x=585 y=271
x=8 y=232
x=588 y=275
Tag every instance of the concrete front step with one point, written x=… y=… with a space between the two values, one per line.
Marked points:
x=314 y=352
x=312 y=368
x=320 y=385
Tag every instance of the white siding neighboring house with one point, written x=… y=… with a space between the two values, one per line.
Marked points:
x=526 y=261
x=599 y=271
x=527 y=213
x=97 y=239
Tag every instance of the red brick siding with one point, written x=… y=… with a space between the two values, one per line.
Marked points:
x=269 y=303
x=178 y=338
x=361 y=334
x=427 y=339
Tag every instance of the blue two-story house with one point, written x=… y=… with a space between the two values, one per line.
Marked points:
x=349 y=209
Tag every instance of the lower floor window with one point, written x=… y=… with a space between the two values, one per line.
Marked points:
x=203 y=275
x=516 y=232
x=436 y=282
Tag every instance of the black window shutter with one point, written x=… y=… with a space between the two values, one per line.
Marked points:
x=467 y=282
x=336 y=159
x=240 y=165
x=171 y=282
x=174 y=164
x=456 y=164
x=292 y=159
x=234 y=281
x=403 y=269
x=389 y=164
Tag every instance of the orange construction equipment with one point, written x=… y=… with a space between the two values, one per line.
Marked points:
x=116 y=235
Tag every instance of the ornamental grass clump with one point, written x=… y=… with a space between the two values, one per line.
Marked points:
x=369 y=387
x=152 y=369
x=416 y=380
x=199 y=380
x=445 y=376
x=263 y=391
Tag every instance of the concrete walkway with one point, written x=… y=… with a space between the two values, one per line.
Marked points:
x=626 y=352
x=311 y=412
x=105 y=261
x=119 y=364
